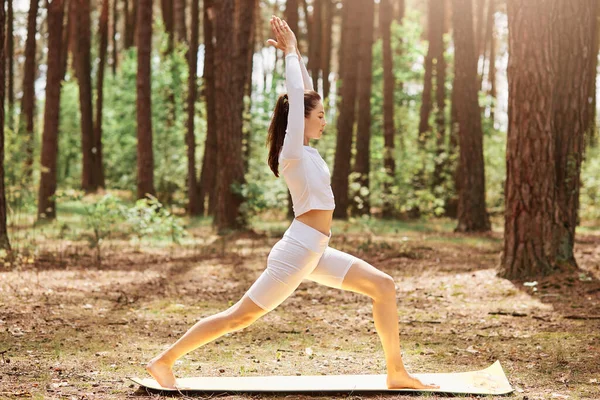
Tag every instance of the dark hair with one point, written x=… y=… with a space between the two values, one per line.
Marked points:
x=279 y=124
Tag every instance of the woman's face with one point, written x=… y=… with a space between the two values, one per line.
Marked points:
x=315 y=123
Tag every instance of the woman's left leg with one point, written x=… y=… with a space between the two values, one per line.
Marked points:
x=341 y=270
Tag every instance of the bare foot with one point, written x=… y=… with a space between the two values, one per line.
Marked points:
x=162 y=372
x=406 y=381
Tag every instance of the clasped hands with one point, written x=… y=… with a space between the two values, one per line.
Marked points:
x=285 y=39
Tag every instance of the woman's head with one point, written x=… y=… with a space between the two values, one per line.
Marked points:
x=314 y=123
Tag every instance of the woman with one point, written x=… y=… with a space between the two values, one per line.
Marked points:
x=303 y=252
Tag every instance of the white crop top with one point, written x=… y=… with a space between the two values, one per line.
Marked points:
x=302 y=167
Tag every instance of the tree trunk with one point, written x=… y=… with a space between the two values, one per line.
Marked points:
x=28 y=99
x=291 y=14
x=592 y=137
x=10 y=55
x=314 y=60
x=385 y=20
x=480 y=23
x=328 y=12
x=193 y=203
x=308 y=22
x=345 y=122
x=207 y=185
x=74 y=35
x=440 y=97
x=549 y=84
x=103 y=33
x=472 y=214
x=426 y=98
x=145 y=158
x=400 y=10
x=574 y=29
x=131 y=19
x=167 y=14
x=245 y=23
x=49 y=153
x=66 y=38
x=4 y=242
x=492 y=66
x=89 y=182
x=115 y=24
x=230 y=168
x=179 y=16
x=487 y=39
x=451 y=207
x=530 y=149
x=360 y=201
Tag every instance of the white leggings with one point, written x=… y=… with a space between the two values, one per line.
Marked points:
x=302 y=253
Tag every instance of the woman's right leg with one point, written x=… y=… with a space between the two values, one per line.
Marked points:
x=237 y=317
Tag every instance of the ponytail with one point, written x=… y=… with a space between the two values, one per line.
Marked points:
x=279 y=125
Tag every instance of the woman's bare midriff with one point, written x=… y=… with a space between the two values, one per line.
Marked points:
x=317 y=219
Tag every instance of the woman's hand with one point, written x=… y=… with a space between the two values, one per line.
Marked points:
x=285 y=38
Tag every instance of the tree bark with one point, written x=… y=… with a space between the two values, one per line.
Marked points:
x=314 y=59
x=49 y=153
x=385 y=20
x=426 y=98
x=472 y=214
x=10 y=54
x=180 y=25
x=229 y=91
x=480 y=23
x=28 y=100
x=326 y=43
x=492 y=66
x=400 y=10
x=291 y=14
x=530 y=149
x=89 y=181
x=4 y=242
x=440 y=98
x=345 y=122
x=66 y=38
x=361 y=202
x=131 y=22
x=193 y=203
x=592 y=136
x=207 y=183
x=145 y=158
x=103 y=33
x=549 y=113
x=168 y=19
x=115 y=48
x=487 y=39
x=574 y=29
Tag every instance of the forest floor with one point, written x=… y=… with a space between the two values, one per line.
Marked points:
x=71 y=328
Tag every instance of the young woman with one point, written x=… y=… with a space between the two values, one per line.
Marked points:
x=303 y=252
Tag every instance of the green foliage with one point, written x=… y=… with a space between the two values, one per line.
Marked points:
x=149 y=218
x=589 y=196
x=20 y=193
x=110 y=217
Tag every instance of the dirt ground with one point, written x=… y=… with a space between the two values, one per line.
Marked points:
x=73 y=329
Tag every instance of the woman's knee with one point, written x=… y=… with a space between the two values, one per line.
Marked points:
x=243 y=314
x=363 y=278
x=386 y=287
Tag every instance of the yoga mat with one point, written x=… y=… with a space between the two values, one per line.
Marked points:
x=491 y=380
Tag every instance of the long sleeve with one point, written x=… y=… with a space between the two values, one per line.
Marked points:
x=308 y=83
x=294 y=137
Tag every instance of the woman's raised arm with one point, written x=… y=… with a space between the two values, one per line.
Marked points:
x=294 y=82
x=308 y=84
